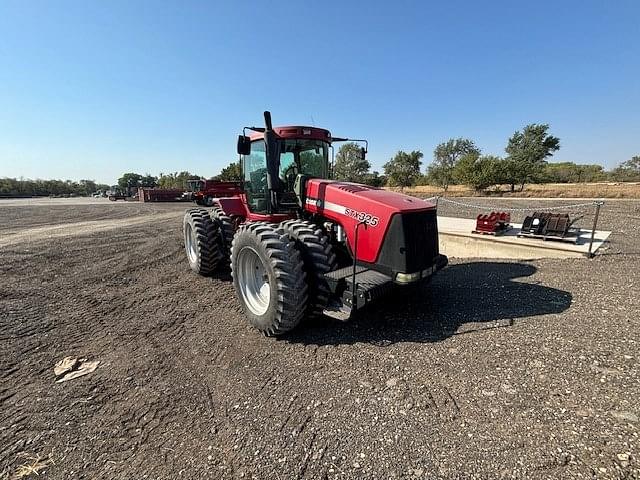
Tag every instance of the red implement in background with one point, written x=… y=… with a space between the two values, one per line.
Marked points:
x=493 y=223
x=159 y=194
x=204 y=191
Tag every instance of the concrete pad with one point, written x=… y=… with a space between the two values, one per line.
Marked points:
x=456 y=240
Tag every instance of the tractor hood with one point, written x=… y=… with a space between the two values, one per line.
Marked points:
x=393 y=224
x=364 y=195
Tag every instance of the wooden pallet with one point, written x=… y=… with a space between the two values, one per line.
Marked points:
x=497 y=233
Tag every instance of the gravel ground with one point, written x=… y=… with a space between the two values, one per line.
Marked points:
x=496 y=369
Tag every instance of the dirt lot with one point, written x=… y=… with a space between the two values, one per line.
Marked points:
x=494 y=370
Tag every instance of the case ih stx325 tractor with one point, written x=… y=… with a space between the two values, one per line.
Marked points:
x=300 y=244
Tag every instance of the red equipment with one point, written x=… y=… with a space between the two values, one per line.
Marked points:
x=494 y=223
x=159 y=194
x=300 y=244
x=204 y=191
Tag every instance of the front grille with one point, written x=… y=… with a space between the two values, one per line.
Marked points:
x=421 y=237
x=411 y=243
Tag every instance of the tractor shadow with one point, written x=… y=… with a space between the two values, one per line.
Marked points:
x=463 y=298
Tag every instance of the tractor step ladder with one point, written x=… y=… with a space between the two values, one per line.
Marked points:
x=369 y=285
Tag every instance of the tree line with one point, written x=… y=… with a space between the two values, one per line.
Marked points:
x=177 y=180
x=128 y=182
x=460 y=161
x=455 y=161
x=11 y=187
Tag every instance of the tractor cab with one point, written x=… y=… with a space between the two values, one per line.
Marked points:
x=270 y=174
x=275 y=160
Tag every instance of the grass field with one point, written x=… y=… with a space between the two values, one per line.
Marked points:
x=559 y=190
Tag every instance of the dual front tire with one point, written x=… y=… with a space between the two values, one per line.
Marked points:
x=268 y=278
x=278 y=270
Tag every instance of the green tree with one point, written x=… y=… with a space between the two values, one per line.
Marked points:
x=569 y=172
x=628 y=171
x=479 y=172
x=128 y=180
x=88 y=187
x=403 y=169
x=148 y=181
x=591 y=173
x=231 y=173
x=374 y=179
x=350 y=166
x=177 y=180
x=445 y=158
x=527 y=151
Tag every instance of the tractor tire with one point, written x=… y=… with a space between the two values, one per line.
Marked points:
x=318 y=258
x=268 y=277
x=227 y=230
x=201 y=241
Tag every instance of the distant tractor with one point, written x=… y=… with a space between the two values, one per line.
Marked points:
x=116 y=193
x=300 y=244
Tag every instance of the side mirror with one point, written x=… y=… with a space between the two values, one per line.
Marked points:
x=244 y=145
x=363 y=153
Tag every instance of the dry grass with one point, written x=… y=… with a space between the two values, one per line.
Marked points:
x=30 y=465
x=551 y=190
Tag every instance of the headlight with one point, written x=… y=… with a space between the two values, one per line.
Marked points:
x=407 y=277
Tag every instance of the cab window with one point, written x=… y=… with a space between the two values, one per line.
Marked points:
x=310 y=157
x=255 y=177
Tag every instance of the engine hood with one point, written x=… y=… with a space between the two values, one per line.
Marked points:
x=350 y=204
x=386 y=199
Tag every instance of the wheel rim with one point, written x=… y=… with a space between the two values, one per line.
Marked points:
x=192 y=252
x=253 y=281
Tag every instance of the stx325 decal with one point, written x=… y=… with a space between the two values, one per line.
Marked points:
x=365 y=217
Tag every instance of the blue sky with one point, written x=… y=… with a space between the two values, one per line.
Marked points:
x=94 y=89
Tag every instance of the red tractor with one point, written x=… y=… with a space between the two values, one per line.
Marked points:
x=300 y=244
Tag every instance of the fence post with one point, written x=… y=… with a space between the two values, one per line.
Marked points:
x=593 y=230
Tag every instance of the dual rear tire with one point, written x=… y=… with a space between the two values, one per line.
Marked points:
x=201 y=241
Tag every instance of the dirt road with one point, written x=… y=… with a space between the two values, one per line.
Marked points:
x=494 y=370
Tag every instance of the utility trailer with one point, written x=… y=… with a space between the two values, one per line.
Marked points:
x=159 y=194
x=300 y=244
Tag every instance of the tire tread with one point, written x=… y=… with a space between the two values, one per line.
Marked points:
x=289 y=272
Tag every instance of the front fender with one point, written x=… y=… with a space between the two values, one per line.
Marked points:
x=232 y=206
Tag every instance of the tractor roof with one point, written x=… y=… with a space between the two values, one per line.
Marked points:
x=297 y=132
